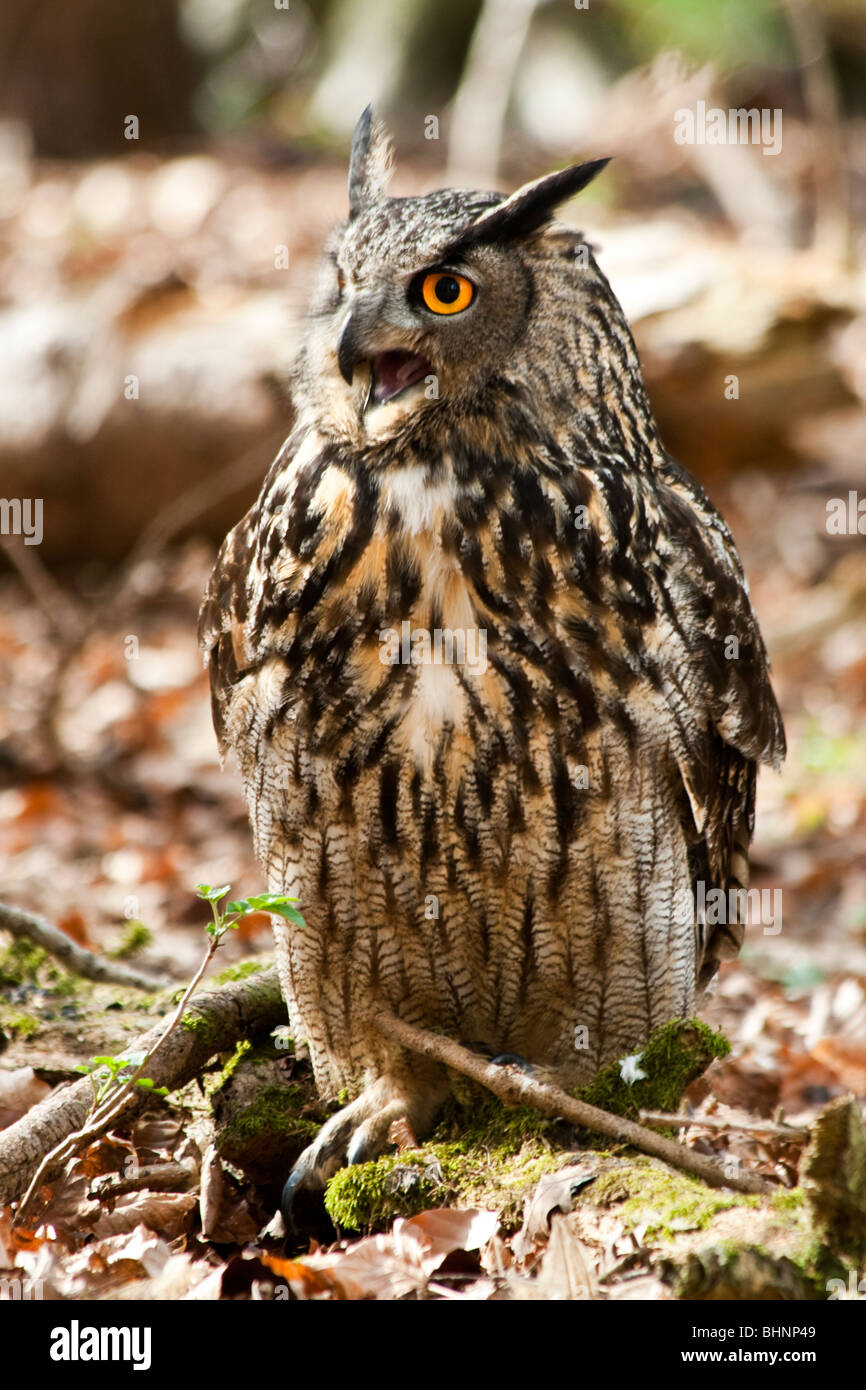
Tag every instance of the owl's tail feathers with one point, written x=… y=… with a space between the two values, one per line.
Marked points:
x=360 y=1131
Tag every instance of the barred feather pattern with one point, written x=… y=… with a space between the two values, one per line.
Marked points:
x=511 y=855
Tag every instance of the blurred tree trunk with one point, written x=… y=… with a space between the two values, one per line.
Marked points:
x=72 y=73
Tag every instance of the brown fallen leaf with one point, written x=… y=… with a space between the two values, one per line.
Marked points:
x=564 y=1273
x=389 y=1266
x=19 y=1090
x=74 y=925
x=552 y=1193
x=846 y=1059
x=14 y=1239
x=168 y=1214
x=402 y=1134
x=225 y=1217
x=305 y=1281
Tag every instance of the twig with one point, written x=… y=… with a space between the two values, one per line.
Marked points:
x=105 y=1114
x=774 y=1131
x=28 y=926
x=63 y=615
x=514 y=1087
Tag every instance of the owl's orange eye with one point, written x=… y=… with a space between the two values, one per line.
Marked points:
x=446 y=293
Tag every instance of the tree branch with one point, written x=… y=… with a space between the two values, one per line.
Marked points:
x=794 y=1134
x=28 y=926
x=514 y=1087
x=212 y=1023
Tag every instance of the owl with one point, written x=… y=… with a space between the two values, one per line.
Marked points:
x=486 y=657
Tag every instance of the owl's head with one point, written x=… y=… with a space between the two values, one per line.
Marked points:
x=421 y=302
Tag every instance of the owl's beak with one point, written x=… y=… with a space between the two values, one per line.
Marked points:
x=351 y=344
x=391 y=371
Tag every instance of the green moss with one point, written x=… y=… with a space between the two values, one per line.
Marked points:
x=787 y=1199
x=661 y=1200
x=21 y=962
x=242 y=1050
x=726 y=1271
x=268 y=1133
x=135 y=937
x=25 y=1025
x=197 y=1024
x=273 y=1112
x=238 y=972
x=65 y=986
x=484 y=1154
x=675 y=1054
x=369 y=1195
x=496 y=1159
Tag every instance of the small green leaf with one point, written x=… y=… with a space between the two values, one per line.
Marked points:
x=242 y=906
x=264 y=902
x=146 y=1082
x=211 y=895
x=290 y=913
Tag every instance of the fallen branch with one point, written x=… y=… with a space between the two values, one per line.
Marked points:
x=107 y=1111
x=27 y=926
x=514 y=1087
x=213 y=1023
x=793 y=1133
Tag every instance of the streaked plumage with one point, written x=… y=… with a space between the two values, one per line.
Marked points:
x=508 y=855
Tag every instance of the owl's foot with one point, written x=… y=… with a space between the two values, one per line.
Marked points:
x=511 y=1059
x=358 y=1133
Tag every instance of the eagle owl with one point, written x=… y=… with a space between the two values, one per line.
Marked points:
x=486 y=656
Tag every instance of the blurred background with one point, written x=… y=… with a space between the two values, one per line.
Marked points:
x=168 y=170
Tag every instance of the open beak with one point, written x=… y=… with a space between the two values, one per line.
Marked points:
x=391 y=372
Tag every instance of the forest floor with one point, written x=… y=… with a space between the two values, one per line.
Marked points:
x=113 y=807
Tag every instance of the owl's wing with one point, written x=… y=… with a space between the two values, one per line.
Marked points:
x=235 y=589
x=714 y=674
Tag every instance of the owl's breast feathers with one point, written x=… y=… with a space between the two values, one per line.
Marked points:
x=616 y=628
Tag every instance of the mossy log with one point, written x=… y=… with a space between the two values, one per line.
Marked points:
x=213 y=1023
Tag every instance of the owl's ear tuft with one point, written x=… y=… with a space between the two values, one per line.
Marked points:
x=370 y=162
x=531 y=206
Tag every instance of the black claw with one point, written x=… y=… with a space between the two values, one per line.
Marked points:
x=304 y=1214
x=511 y=1059
x=294 y=1183
x=362 y=1151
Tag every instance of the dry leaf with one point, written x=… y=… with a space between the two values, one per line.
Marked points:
x=389 y=1266
x=554 y=1192
x=564 y=1273
x=168 y=1214
x=846 y=1059
x=19 y=1090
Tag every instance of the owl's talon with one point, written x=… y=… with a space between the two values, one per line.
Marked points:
x=511 y=1059
x=358 y=1133
x=293 y=1183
